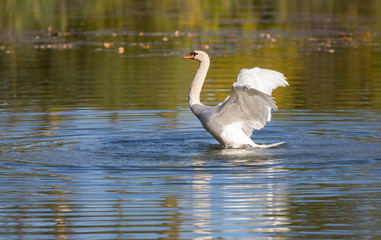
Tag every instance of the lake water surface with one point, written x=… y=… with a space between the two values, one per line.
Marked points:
x=97 y=140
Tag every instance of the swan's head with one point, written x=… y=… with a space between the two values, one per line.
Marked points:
x=197 y=55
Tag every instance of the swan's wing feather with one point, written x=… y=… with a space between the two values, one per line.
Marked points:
x=264 y=80
x=247 y=106
x=250 y=101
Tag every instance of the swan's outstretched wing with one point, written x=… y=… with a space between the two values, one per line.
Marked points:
x=263 y=80
x=250 y=101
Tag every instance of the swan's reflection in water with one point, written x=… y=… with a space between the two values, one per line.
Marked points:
x=201 y=204
x=245 y=194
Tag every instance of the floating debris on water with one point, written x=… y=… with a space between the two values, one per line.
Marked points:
x=107 y=44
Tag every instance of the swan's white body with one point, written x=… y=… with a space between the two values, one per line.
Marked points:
x=247 y=108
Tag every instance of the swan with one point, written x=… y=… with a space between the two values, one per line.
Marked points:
x=248 y=107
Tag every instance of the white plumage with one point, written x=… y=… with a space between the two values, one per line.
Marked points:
x=248 y=106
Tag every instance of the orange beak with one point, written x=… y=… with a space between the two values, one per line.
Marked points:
x=190 y=56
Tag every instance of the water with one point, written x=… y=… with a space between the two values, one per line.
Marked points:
x=97 y=141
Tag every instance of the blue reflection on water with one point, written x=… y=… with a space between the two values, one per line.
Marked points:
x=139 y=175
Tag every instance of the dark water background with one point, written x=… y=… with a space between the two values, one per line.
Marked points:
x=97 y=141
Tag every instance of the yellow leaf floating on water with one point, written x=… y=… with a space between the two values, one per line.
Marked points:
x=107 y=44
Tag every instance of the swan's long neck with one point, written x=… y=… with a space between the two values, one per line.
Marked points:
x=198 y=81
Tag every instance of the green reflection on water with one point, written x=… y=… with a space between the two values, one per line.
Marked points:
x=170 y=15
x=114 y=55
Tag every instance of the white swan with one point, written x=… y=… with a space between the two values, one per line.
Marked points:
x=247 y=108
